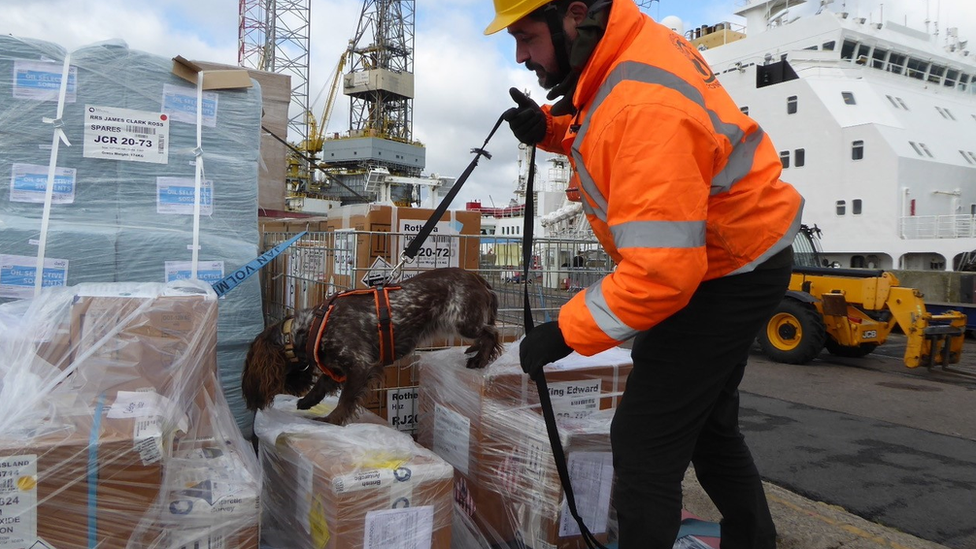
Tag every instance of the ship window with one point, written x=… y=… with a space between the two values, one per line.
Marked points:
x=917 y=68
x=829 y=46
x=784 y=157
x=892 y=99
x=896 y=62
x=918 y=151
x=847 y=51
x=791 y=102
x=744 y=109
x=935 y=74
x=814 y=48
x=857 y=150
x=856 y=206
x=841 y=207
x=963 y=82
x=952 y=75
x=902 y=103
x=965 y=156
x=848 y=98
x=857 y=261
x=799 y=157
x=862 y=54
x=926 y=150
x=878 y=58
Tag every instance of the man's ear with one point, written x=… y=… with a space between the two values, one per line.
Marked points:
x=576 y=13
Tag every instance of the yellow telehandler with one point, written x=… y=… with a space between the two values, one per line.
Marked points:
x=852 y=311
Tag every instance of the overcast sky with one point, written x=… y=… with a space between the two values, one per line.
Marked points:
x=462 y=77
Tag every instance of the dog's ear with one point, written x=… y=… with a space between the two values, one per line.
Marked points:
x=264 y=369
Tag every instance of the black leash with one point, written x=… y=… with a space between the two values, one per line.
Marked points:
x=411 y=251
x=558 y=455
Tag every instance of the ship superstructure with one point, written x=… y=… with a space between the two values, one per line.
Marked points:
x=875 y=123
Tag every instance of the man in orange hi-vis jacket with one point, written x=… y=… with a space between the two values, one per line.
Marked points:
x=683 y=191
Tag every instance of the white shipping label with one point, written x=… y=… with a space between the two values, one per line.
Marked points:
x=591 y=474
x=362 y=479
x=575 y=399
x=28 y=183
x=180 y=103
x=132 y=404
x=401 y=408
x=18 y=501
x=452 y=437
x=175 y=195
x=41 y=81
x=125 y=134
x=439 y=250
x=411 y=528
x=345 y=253
x=17 y=274
x=207 y=271
x=147 y=439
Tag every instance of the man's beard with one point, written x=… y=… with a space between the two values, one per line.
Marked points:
x=547 y=80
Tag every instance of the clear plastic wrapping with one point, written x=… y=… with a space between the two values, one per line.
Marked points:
x=114 y=431
x=361 y=486
x=488 y=425
x=129 y=220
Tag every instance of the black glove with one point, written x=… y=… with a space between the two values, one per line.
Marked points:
x=541 y=346
x=527 y=120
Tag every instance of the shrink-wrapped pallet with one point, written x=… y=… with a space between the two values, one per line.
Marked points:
x=122 y=203
x=114 y=431
x=361 y=486
x=488 y=425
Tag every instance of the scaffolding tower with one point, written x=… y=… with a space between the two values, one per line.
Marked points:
x=273 y=35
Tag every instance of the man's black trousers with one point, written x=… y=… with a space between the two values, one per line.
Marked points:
x=681 y=406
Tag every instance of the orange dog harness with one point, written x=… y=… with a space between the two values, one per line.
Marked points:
x=384 y=327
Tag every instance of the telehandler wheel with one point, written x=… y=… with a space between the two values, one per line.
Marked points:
x=837 y=349
x=795 y=334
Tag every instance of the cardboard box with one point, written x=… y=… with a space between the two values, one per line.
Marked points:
x=467 y=417
x=210 y=499
x=124 y=344
x=212 y=79
x=83 y=480
x=453 y=243
x=361 y=486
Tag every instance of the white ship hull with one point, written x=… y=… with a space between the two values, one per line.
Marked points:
x=886 y=146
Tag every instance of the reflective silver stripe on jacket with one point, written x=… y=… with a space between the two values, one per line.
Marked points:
x=659 y=234
x=739 y=163
x=604 y=317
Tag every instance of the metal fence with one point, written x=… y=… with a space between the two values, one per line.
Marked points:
x=322 y=263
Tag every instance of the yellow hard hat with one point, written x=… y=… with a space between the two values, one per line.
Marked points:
x=510 y=11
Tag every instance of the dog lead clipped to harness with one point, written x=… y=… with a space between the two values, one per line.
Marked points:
x=321 y=313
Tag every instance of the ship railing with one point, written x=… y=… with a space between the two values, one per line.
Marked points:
x=938 y=226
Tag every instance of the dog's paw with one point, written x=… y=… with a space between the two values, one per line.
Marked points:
x=305 y=403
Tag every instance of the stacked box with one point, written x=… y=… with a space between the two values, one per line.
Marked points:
x=122 y=209
x=364 y=225
x=361 y=486
x=114 y=431
x=487 y=423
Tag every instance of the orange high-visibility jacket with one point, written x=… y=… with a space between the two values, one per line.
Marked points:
x=679 y=186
